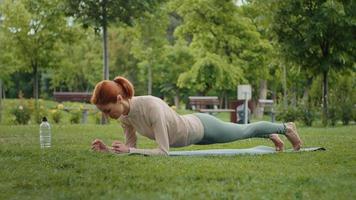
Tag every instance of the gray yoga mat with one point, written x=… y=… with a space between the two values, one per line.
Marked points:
x=229 y=152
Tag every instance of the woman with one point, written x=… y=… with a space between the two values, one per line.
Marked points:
x=153 y=118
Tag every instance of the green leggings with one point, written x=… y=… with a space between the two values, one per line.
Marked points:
x=217 y=131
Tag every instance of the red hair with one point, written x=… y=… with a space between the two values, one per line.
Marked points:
x=106 y=91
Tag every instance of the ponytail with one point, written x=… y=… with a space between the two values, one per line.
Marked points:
x=126 y=86
x=106 y=91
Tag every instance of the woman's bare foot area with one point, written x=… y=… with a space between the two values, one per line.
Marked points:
x=278 y=143
x=292 y=136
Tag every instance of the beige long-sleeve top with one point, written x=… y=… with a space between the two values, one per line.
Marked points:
x=153 y=118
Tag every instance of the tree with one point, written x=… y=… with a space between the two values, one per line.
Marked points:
x=342 y=96
x=318 y=35
x=123 y=61
x=8 y=62
x=78 y=63
x=261 y=69
x=100 y=14
x=210 y=29
x=222 y=41
x=177 y=60
x=159 y=53
x=150 y=38
x=32 y=28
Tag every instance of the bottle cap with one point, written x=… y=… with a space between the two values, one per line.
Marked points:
x=44 y=119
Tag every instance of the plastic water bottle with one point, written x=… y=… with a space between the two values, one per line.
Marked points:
x=45 y=133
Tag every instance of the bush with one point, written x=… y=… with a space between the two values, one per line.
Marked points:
x=307 y=115
x=56 y=115
x=22 y=114
x=333 y=115
x=290 y=114
x=40 y=112
x=75 y=116
x=346 y=113
x=97 y=116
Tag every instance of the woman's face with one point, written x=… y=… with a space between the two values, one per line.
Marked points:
x=113 y=110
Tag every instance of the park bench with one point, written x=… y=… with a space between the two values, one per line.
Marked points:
x=269 y=103
x=206 y=104
x=76 y=97
x=72 y=96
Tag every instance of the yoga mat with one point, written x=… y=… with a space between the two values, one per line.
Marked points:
x=229 y=152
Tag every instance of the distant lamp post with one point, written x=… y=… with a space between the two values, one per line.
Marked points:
x=244 y=93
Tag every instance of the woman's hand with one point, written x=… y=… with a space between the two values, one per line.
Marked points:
x=100 y=146
x=119 y=147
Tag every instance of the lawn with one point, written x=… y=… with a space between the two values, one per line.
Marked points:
x=69 y=170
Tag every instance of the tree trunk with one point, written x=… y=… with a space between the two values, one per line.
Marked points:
x=176 y=99
x=285 y=101
x=105 y=56
x=306 y=91
x=105 y=44
x=105 y=51
x=35 y=82
x=35 y=88
x=149 y=85
x=294 y=96
x=223 y=100
x=226 y=100
x=3 y=92
x=0 y=100
x=325 y=97
x=262 y=95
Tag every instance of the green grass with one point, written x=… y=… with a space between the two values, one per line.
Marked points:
x=69 y=170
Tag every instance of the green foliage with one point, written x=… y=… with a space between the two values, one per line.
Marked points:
x=148 y=46
x=332 y=115
x=48 y=107
x=56 y=115
x=222 y=41
x=263 y=60
x=31 y=30
x=177 y=60
x=307 y=115
x=18 y=82
x=346 y=97
x=98 y=116
x=22 y=114
x=76 y=73
x=346 y=113
x=102 y=13
x=123 y=62
x=320 y=32
x=7 y=58
x=343 y=96
x=39 y=112
x=290 y=114
x=317 y=35
x=183 y=48
x=210 y=72
x=75 y=116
